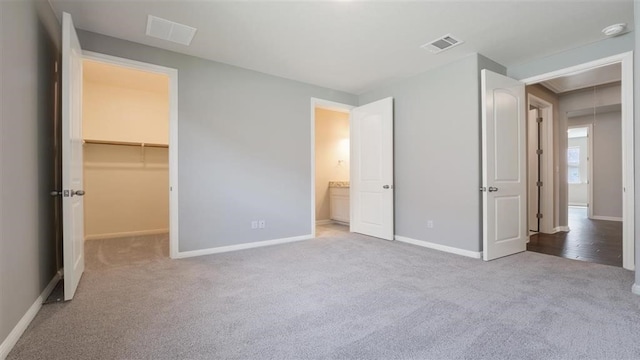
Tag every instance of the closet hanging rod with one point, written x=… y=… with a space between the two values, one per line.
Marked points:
x=125 y=143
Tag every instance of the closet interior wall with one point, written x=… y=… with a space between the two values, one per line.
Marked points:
x=126 y=167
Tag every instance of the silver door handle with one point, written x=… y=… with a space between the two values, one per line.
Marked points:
x=492 y=189
x=77 y=193
x=55 y=193
x=385 y=187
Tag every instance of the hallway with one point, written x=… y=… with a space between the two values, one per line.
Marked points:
x=597 y=241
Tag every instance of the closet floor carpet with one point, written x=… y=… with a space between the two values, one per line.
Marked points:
x=342 y=296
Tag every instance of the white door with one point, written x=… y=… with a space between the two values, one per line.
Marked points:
x=504 y=181
x=72 y=183
x=372 y=169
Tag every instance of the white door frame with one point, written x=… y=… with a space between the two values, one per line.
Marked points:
x=589 y=167
x=628 y=201
x=173 y=133
x=550 y=217
x=330 y=105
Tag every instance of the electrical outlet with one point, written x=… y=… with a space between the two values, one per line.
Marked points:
x=430 y=224
x=262 y=224
x=254 y=224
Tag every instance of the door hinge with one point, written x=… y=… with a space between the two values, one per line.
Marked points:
x=539 y=151
x=539 y=216
x=539 y=120
x=539 y=184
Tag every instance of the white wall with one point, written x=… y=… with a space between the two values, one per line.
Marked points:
x=118 y=113
x=127 y=187
x=126 y=191
x=332 y=155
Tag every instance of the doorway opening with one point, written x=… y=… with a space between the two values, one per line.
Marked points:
x=592 y=156
x=130 y=163
x=331 y=171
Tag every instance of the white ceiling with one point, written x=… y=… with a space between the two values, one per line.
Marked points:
x=356 y=46
x=584 y=79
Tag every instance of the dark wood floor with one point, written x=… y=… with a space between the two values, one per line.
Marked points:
x=595 y=241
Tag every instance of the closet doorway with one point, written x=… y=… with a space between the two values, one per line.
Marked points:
x=128 y=116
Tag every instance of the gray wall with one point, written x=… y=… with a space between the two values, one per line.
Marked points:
x=437 y=153
x=636 y=102
x=607 y=162
x=29 y=46
x=244 y=147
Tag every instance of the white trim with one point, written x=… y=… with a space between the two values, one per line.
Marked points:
x=580 y=205
x=449 y=249
x=607 y=218
x=635 y=289
x=222 y=249
x=558 y=229
x=324 y=222
x=125 y=234
x=15 y=334
x=324 y=104
x=174 y=243
x=628 y=200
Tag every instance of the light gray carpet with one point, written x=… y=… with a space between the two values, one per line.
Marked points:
x=343 y=297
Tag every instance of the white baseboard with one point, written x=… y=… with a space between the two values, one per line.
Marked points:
x=635 y=289
x=608 y=218
x=21 y=326
x=324 y=222
x=221 y=249
x=126 y=234
x=561 y=228
x=449 y=249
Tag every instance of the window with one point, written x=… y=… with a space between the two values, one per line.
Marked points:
x=573 y=163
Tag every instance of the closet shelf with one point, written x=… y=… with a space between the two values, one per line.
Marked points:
x=125 y=143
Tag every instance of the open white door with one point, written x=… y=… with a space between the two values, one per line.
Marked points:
x=372 y=169
x=72 y=182
x=504 y=182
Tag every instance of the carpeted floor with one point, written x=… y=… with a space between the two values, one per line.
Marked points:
x=343 y=296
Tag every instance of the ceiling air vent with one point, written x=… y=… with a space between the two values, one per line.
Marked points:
x=168 y=30
x=444 y=43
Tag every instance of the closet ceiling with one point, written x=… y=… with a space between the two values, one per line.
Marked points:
x=124 y=77
x=585 y=79
x=356 y=46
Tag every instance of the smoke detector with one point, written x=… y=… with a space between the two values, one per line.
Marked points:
x=169 y=30
x=442 y=43
x=614 y=30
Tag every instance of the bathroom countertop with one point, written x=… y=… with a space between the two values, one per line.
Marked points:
x=339 y=184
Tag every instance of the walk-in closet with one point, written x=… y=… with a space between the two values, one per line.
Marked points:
x=126 y=168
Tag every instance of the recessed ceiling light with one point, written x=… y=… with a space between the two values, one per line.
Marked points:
x=613 y=30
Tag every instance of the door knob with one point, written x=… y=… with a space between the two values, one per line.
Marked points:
x=55 y=193
x=492 y=189
x=77 y=193
x=385 y=187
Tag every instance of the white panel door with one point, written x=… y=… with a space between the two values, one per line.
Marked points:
x=503 y=166
x=72 y=182
x=372 y=169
